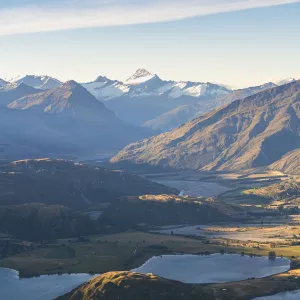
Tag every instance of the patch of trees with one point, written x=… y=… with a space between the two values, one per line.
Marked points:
x=130 y=213
x=272 y=255
x=59 y=182
x=39 y=222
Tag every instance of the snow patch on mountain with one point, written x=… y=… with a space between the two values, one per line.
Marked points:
x=38 y=82
x=143 y=84
x=140 y=76
x=181 y=89
x=11 y=87
x=105 y=89
x=284 y=81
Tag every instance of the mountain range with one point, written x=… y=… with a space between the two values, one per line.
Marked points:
x=146 y=99
x=38 y=82
x=13 y=91
x=258 y=131
x=182 y=114
x=70 y=120
x=63 y=120
x=145 y=96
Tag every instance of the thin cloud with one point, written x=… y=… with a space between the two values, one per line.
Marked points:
x=72 y=14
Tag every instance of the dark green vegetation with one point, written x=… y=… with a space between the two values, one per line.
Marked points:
x=97 y=254
x=123 y=251
x=41 y=222
x=61 y=182
x=47 y=199
x=169 y=210
x=257 y=131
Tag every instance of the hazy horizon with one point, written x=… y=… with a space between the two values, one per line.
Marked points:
x=235 y=43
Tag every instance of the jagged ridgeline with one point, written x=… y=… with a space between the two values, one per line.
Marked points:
x=262 y=130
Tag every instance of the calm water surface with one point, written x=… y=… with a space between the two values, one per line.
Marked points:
x=283 y=296
x=213 y=268
x=37 y=288
x=194 y=188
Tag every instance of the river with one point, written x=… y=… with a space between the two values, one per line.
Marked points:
x=194 y=188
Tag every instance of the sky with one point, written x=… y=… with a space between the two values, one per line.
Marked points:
x=234 y=42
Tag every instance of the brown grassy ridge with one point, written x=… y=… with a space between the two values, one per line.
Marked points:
x=249 y=133
x=285 y=190
x=135 y=286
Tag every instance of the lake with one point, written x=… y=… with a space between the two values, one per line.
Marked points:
x=37 y=288
x=282 y=296
x=194 y=188
x=215 y=268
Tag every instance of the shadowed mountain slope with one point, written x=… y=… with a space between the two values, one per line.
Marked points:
x=65 y=120
x=70 y=100
x=12 y=92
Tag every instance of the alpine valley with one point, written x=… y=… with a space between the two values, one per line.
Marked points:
x=148 y=182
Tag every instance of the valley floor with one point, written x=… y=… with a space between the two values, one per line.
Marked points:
x=265 y=230
x=127 y=250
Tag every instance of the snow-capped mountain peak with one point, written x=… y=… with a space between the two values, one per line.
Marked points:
x=140 y=73
x=101 y=78
x=285 y=81
x=40 y=82
x=14 y=86
x=140 y=76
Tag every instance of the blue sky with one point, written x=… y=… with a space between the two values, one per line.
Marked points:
x=235 y=42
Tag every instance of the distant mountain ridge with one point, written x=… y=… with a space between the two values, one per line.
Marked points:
x=67 y=120
x=182 y=114
x=145 y=96
x=143 y=83
x=13 y=91
x=39 y=82
x=252 y=132
x=285 y=81
x=70 y=99
x=145 y=99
